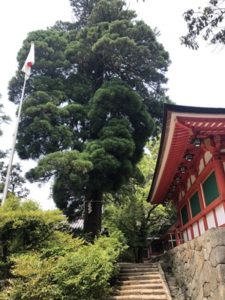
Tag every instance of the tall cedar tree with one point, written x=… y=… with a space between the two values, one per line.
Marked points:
x=87 y=116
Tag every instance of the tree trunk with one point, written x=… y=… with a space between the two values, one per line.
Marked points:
x=93 y=214
x=5 y=252
x=139 y=258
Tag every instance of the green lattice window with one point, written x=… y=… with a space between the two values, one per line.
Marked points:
x=184 y=214
x=210 y=189
x=195 y=204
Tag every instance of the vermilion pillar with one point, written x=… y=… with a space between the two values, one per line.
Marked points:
x=200 y=194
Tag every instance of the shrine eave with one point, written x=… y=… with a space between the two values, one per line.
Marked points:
x=182 y=125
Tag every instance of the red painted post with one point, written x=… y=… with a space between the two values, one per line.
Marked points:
x=202 y=203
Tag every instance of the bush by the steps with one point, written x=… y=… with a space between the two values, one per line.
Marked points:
x=43 y=263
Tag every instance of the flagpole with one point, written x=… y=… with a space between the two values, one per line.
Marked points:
x=13 y=144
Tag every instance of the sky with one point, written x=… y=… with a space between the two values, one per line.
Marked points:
x=194 y=77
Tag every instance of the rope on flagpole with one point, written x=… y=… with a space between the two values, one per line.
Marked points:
x=6 y=186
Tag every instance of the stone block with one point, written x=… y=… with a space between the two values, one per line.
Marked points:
x=216 y=236
x=206 y=271
x=219 y=293
x=198 y=244
x=206 y=289
x=199 y=294
x=205 y=254
x=199 y=262
x=192 y=245
x=217 y=256
x=221 y=273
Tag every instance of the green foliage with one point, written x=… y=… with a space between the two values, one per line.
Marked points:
x=25 y=230
x=23 y=226
x=130 y=212
x=40 y=259
x=90 y=103
x=79 y=272
x=16 y=180
x=71 y=170
x=205 y=23
x=14 y=203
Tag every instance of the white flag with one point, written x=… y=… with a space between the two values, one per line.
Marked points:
x=29 y=62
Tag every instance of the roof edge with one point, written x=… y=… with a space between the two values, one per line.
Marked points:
x=168 y=109
x=193 y=109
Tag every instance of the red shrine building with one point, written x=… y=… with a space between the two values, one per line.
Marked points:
x=190 y=170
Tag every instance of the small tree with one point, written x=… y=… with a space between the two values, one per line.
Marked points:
x=16 y=180
x=130 y=212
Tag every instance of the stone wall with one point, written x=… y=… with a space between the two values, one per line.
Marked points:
x=199 y=266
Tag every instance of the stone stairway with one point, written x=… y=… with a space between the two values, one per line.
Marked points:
x=141 y=281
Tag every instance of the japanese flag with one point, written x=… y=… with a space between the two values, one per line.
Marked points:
x=29 y=62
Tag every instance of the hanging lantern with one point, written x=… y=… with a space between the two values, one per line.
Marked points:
x=196 y=142
x=189 y=157
x=182 y=169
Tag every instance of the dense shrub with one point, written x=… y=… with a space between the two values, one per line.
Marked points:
x=23 y=226
x=79 y=273
x=45 y=263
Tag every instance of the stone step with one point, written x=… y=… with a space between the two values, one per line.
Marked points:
x=141 y=291
x=128 y=270
x=140 y=297
x=140 y=282
x=139 y=277
x=146 y=285
x=144 y=267
x=136 y=266
x=124 y=271
x=123 y=274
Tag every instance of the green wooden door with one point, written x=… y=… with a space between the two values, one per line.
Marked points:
x=184 y=214
x=210 y=189
x=195 y=204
